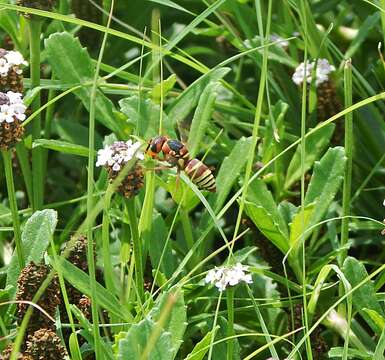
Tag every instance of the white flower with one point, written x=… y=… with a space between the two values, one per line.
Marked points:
x=103 y=156
x=4 y=67
x=7 y=113
x=223 y=277
x=280 y=41
x=119 y=153
x=15 y=58
x=14 y=97
x=383 y=202
x=323 y=70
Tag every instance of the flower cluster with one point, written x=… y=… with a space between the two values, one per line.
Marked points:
x=223 y=277
x=11 y=60
x=12 y=107
x=323 y=69
x=115 y=156
x=118 y=154
x=12 y=114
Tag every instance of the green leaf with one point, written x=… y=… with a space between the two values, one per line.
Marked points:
x=72 y=64
x=364 y=296
x=35 y=238
x=176 y=320
x=181 y=193
x=229 y=172
x=337 y=352
x=300 y=223
x=376 y=318
x=81 y=281
x=61 y=146
x=137 y=338
x=315 y=144
x=325 y=182
x=166 y=85
x=157 y=247
x=220 y=349
x=186 y=101
x=260 y=195
x=267 y=226
x=144 y=115
x=201 y=348
x=202 y=117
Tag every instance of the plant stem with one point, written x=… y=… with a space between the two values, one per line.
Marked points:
x=37 y=154
x=187 y=230
x=108 y=269
x=349 y=162
x=230 y=321
x=13 y=205
x=131 y=211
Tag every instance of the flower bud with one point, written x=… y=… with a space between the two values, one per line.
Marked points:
x=45 y=344
x=29 y=282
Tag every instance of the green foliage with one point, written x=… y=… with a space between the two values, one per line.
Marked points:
x=218 y=76
x=36 y=236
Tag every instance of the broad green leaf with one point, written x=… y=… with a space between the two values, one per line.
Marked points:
x=158 y=247
x=137 y=339
x=376 y=318
x=229 y=172
x=72 y=64
x=166 y=85
x=81 y=281
x=186 y=101
x=315 y=144
x=201 y=118
x=181 y=193
x=61 y=146
x=364 y=296
x=202 y=347
x=259 y=194
x=144 y=115
x=299 y=225
x=325 y=182
x=176 y=320
x=35 y=238
x=267 y=226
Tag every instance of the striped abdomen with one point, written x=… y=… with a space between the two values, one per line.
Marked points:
x=200 y=175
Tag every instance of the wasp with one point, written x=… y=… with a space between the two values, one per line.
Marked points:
x=176 y=154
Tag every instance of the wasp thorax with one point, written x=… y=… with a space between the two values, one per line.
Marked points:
x=12 y=114
x=115 y=157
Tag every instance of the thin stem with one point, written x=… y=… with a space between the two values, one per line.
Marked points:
x=230 y=321
x=349 y=164
x=107 y=265
x=13 y=205
x=309 y=352
x=187 y=230
x=90 y=199
x=37 y=153
x=137 y=246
